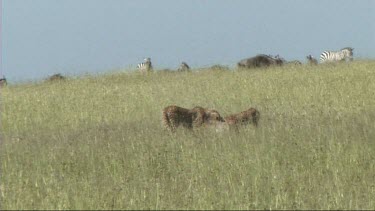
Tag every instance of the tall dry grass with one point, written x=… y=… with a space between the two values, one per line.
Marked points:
x=96 y=142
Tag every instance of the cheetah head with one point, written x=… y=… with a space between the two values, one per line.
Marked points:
x=213 y=116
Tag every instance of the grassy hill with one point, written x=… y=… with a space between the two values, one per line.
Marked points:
x=96 y=142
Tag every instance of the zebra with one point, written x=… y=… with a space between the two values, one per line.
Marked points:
x=311 y=60
x=145 y=66
x=183 y=67
x=341 y=55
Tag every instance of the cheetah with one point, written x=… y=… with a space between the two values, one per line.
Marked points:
x=243 y=118
x=175 y=116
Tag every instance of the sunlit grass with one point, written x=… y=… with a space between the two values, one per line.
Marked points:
x=96 y=142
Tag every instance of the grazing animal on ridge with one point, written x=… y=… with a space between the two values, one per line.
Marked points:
x=294 y=62
x=174 y=116
x=219 y=67
x=3 y=82
x=183 y=67
x=341 y=55
x=56 y=77
x=145 y=66
x=260 y=60
x=311 y=60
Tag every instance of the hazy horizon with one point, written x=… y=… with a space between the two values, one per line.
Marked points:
x=44 y=37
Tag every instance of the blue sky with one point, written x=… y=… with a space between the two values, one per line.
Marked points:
x=43 y=37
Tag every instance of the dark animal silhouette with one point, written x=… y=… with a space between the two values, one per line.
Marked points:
x=260 y=60
x=311 y=60
x=3 y=82
x=56 y=77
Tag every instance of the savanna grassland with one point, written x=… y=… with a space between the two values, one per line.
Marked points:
x=96 y=142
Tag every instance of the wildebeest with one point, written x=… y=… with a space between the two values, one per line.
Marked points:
x=56 y=77
x=174 y=116
x=3 y=82
x=183 y=67
x=311 y=60
x=260 y=60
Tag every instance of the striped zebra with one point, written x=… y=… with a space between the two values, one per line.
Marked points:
x=183 y=67
x=341 y=55
x=145 y=66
